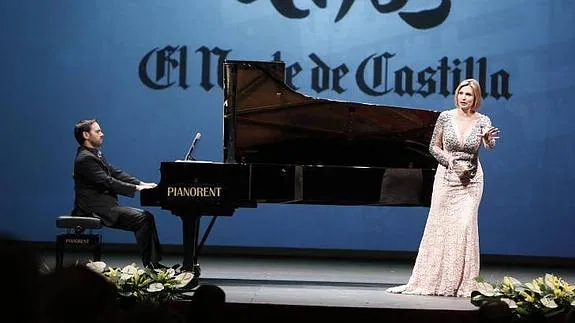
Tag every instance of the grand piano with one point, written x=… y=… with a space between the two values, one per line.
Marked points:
x=281 y=146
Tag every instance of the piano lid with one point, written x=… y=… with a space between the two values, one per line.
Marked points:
x=266 y=121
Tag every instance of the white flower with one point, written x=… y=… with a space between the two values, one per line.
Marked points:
x=183 y=279
x=548 y=302
x=170 y=272
x=112 y=273
x=511 y=303
x=97 y=266
x=155 y=287
x=130 y=269
x=486 y=289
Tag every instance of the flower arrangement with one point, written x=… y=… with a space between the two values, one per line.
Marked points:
x=542 y=297
x=144 y=284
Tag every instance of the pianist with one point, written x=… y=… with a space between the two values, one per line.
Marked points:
x=97 y=185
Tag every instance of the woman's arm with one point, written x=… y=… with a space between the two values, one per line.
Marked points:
x=489 y=134
x=436 y=144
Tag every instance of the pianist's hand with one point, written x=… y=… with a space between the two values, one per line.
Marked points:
x=143 y=186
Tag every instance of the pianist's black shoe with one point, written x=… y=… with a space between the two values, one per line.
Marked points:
x=155 y=265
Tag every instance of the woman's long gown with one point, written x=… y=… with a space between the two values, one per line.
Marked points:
x=448 y=256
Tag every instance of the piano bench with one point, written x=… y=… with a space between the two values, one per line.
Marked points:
x=75 y=236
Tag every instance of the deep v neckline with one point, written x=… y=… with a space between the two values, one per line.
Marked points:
x=462 y=138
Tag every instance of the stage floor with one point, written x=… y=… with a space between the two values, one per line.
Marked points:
x=324 y=282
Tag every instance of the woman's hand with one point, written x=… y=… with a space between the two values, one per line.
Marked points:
x=489 y=136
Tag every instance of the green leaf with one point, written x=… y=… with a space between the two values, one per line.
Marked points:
x=146 y=282
x=513 y=281
x=522 y=311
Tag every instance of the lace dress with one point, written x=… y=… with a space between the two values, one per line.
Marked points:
x=448 y=256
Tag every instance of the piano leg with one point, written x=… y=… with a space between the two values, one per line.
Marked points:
x=190 y=234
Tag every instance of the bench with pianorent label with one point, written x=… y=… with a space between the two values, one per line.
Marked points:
x=281 y=146
x=79 y=234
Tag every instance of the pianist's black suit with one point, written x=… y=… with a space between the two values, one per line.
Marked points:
x=97 y=185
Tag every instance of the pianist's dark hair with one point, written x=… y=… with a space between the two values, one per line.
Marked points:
x=80 y=127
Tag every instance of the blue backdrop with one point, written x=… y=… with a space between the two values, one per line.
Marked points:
x=148 y=71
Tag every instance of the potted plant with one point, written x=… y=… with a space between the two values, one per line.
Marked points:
x=541 y=298
x=144 y=285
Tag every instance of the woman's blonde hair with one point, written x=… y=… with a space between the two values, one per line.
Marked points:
x=475 y=88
